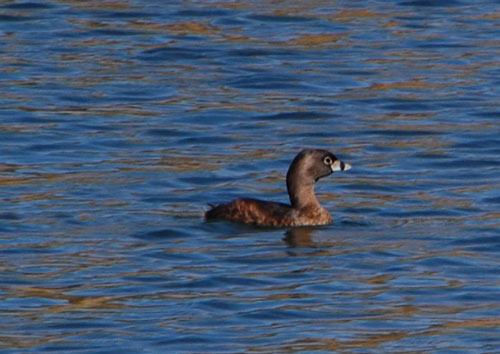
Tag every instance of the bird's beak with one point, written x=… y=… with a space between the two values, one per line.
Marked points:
x=340 y=166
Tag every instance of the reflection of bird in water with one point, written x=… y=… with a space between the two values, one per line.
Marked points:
x=307 y=168
x=299 y=237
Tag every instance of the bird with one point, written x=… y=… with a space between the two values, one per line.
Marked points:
x=308 y=166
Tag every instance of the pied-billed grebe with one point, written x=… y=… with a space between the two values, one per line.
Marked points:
x=306 y=168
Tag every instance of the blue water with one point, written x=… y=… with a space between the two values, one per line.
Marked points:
x=121 y=120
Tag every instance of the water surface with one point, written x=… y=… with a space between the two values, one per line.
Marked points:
x=121 y=120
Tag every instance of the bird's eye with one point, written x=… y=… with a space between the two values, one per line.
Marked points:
x=327 y=160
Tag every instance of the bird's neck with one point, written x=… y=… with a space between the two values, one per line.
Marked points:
x=302 y=195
